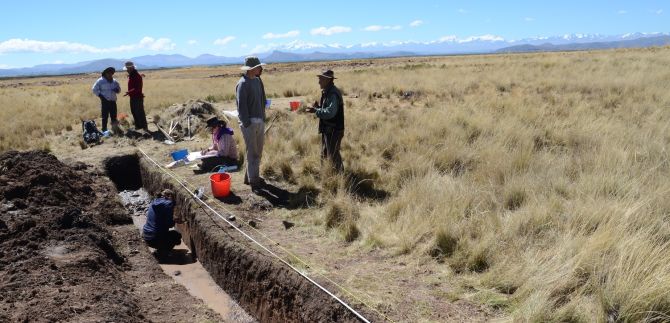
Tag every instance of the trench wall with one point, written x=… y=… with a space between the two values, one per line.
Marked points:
x=266 y=288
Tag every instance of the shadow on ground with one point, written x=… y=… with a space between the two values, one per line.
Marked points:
x=281 y=198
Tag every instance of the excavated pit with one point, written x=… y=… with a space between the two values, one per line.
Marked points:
x=264 y=287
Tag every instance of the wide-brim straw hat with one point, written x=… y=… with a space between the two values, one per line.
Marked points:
x=128 y=65
x=212 y=122
x=329 y=74
x=251 y=62
x=108 y=70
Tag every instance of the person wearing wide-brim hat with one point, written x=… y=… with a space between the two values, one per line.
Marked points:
x=250 y=95
x=330 y=111
x=106 y=88
x=223 y=151
x=136 y=96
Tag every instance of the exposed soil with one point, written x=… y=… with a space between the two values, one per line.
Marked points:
x=186 y=119
x=185 y=268
x=68 y=250
x=263 y=286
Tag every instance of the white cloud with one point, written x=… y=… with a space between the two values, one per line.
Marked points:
x=658 y=12
x=416 y=23
x=192 y=42
x=622 y=12
x=529 y=19
x=17 y=45
x=4 y=66
x=328 y=31
x=224 y=41
x=292 y=45
x=379 y=28
x=290 y=34
x=299 y=45
x=455 y=39
x=450 y=38
x=160 y=44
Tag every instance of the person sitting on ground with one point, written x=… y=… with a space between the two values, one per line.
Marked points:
x=160 y=218
x=223 y=151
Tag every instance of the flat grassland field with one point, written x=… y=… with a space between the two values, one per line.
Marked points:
x=528 y=187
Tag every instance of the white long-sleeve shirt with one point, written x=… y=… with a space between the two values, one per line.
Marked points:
x=106 y=88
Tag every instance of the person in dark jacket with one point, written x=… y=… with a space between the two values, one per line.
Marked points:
x=160 y=218
x=330 y=111
x=136 y=96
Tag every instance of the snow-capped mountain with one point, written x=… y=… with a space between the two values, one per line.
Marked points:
x=298 y=50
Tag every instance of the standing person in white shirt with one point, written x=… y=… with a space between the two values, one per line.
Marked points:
x=251 y=109
x=106 y=88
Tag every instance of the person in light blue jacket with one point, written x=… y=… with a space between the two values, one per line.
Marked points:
x=106 y=88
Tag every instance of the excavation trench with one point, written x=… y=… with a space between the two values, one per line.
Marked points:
x=264 y=287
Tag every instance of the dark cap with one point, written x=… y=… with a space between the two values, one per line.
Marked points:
x=212 y=122
x=329 y=74
x=109 y=69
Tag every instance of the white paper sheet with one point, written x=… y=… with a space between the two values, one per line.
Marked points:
x=194 y=156
x=232 y=114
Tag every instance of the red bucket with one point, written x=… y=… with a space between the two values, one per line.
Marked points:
x=220 y=184
x=294 y=105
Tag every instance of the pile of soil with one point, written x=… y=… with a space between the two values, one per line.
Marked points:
x=57 y=260
x=69 y=251
x=175 y=119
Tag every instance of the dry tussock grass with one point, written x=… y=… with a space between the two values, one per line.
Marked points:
x=540 y=177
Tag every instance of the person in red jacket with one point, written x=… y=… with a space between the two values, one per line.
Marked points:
x=136 y=96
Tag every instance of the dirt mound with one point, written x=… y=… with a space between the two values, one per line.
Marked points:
x=175 y=120
x=57 y=260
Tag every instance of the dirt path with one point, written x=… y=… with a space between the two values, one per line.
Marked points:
x=184 y=268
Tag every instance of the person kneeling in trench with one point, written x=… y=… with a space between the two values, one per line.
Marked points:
x=160 y=218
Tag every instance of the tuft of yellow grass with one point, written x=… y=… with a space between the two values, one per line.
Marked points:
x=541 y=179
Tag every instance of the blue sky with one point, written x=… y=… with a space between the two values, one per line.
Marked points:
x=38 y=32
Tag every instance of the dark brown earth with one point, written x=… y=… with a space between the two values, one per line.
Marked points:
x=266 y=288
x=69 y=251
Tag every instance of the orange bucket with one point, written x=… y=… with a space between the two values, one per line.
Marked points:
x=294 y=105
x=220 y=184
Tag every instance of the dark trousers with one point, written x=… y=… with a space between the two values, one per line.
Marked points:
x=137 y=109
x=108 y=111
x=209 y=163
x=330 y=148
x=165 y=242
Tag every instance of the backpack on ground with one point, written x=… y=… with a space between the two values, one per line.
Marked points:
x=91 y=133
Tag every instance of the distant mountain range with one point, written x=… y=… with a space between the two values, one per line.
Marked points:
x=298 y=51
x=548 y=47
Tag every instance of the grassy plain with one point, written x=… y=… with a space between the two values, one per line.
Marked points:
x=537 y=183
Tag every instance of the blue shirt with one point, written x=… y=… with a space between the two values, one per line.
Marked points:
x=159 y=218
x=108 y=89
